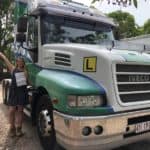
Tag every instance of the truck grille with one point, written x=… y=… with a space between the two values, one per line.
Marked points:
x=62 y=59
x=133 y=82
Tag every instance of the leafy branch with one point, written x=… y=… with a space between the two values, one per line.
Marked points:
x=124 y=3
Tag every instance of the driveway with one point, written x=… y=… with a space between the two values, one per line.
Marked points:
x=30 y=140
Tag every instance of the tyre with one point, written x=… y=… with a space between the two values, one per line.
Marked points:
x=45 y=124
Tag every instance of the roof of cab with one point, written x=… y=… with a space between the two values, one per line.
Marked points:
x=73 y=9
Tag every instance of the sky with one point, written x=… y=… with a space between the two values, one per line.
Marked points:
x=141 y=14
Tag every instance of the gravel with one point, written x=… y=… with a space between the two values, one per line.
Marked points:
x=30 y=140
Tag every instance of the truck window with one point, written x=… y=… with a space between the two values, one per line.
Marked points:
x=32 y=38
x=71 y=31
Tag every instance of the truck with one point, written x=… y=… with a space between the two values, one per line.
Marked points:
x=86 y=91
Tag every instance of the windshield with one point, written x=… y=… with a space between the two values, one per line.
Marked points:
x=60 y=30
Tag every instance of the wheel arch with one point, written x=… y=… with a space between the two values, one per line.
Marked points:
x=40 y=91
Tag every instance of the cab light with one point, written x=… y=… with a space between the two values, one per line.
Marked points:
x=55 y=101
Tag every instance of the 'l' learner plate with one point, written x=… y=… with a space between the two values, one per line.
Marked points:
x=142 y=127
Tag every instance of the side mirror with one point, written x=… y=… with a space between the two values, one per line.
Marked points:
x=20 y=38
x=22 y=24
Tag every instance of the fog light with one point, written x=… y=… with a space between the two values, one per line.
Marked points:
x=86 y=131
x=98 y=130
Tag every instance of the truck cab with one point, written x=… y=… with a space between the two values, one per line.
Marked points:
x=86 y=93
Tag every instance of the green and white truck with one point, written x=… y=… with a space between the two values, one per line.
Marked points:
x=86 y=92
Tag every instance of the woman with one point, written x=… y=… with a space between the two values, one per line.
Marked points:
x=17 y=95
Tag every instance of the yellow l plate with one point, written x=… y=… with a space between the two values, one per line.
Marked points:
x=89 y=64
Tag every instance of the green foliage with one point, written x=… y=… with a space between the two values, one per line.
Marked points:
x=95 y=1
x=126 y=24
x=6 y=28
x=146 y=27
x=19 y=10
x=122 y=2
x=135 y=3
x=6 y=25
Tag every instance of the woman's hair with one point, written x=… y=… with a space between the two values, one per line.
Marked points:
x=22 y=59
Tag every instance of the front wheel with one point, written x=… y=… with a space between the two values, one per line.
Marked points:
x=45 y=124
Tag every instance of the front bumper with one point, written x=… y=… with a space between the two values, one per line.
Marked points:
x=118 y=129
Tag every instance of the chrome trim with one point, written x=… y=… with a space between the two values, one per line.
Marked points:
x=69 y=130
x=117 y=83
x=71 y=117
x=45 y=122
x=134 y=92
x=132 y=73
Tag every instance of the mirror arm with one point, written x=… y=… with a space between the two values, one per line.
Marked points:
x=29 y=49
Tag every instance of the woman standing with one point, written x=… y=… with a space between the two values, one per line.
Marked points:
x=18 y=94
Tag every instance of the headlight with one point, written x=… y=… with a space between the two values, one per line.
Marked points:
x=85 y=101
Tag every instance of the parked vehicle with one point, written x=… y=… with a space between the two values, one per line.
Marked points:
x=86 y=92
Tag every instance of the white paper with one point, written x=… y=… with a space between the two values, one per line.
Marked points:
x=20 y=79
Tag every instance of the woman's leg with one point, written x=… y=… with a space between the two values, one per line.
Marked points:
x=19 y=120
x=19 y=116
x=12 y=131
x=12 y=110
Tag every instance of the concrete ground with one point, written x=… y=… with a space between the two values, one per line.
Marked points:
x=29 y=141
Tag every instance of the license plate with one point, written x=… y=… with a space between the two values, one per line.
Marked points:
x=141 y=127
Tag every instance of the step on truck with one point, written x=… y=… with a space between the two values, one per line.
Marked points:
x=87 y=92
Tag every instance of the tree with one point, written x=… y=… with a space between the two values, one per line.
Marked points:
x=126 y=24
x=124 y=3
x=146 y=27
x=6 y=26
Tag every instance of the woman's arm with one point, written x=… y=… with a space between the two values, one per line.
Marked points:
x=7 y=62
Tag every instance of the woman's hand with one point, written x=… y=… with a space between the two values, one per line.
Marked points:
x=7 y=62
